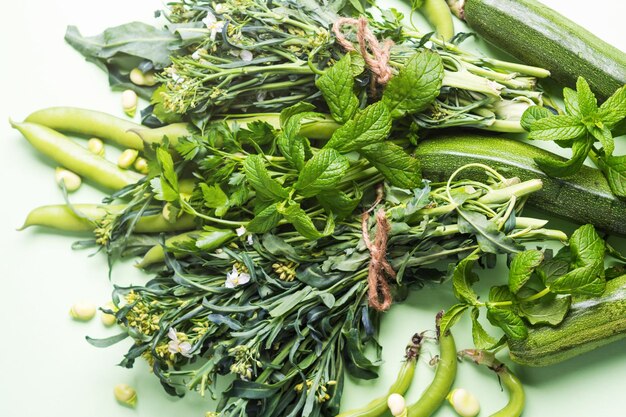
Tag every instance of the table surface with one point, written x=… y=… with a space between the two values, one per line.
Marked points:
x=47 y=367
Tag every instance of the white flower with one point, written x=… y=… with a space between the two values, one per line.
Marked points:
x=250 y=240
x=196 y=55
x=176 y=346
x=214 y=25
x=246 y=55
x=220 y=8
x=240 y=231
x=234 y=278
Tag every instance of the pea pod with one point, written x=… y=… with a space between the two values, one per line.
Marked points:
x=438 y=14
x=74 y=157
x=436 y=392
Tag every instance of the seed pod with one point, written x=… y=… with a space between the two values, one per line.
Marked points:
x=464 y=402
x=108 y=319
x=129 y=102
x=125 y=395
x=141 y=165
x=71 y=180
x=83 y=311
x=96 y=146
x=396 y=404
x=127 y=158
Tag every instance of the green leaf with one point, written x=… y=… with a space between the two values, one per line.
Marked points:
x=357 y=362
x=293 y=148
x=510 y=323
x=552 y=269
x=614 y=169
x=166 y=186
x=522 y=267
x=548 y=309
x=338 y=202
x=451 y=316
x=490 y=239
x=587 y=281
x=398 y=167
x=570 y=98
x=214 y=198
x=462 y=279
x=301 y=221
x=532 y=114
x=557 y=128
x=500 y=293
x=265 y=220
x=605 y=137
x=106 y=342
x=337 y=87
x=587 y=102
x=289 y=112
x=259 y=178
x=251 y=390
x=482 y=339
x=613 y=110
x=322 y=172
x=415 y=86
x=370 y=125
x=558 y=168
x=587 y=246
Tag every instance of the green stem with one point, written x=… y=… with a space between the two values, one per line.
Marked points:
x=189 y=209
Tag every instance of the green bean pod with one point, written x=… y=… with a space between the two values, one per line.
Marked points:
x=74 y=157
x=212 y=239
x=62 y=217
x=436 y=393
x=438 y=14
x=378 y=406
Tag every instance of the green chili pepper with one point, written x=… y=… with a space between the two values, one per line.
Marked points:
x=435 y=394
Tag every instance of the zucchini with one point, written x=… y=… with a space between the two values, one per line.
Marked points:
x=538 y=35
x=584 y=197
x=591 y=323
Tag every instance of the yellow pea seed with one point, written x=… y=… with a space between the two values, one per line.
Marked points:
x=108 y=319
x=125 y=395
x=129 y=102
x=127 y=158
x=138 y=77
x=83 y=311
x=71 y=180
x=141 y=165
x=95 y=146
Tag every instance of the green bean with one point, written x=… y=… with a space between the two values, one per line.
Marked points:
x=515 y=406
x=62 y=217
x=212 y=239
x=74 y=157
x=378 y=406
x=435 y=394
x=438 y=14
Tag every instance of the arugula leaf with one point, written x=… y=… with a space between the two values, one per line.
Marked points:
x=482 y=339
x=451 y=316
x=337 y=87
x=397 y=166
x=570 y=99
x=214 y=197
x=522 y=267
x=587 y=102
x=370 y=125
x=587 y=246
x=265 y=220
x=614 y=169
x=613 y=110
x=415 y=86
x=548 y=309
x=532 y=114
x=301 y=221
x=322 y=172
x=489 y=238
x=462 y=279
x=259 y=178
x=510 y=323
x=558 y=168
x=586 y=280
x=557 y=128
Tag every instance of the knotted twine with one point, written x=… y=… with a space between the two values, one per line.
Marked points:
x=379 y=292
x=375 y=55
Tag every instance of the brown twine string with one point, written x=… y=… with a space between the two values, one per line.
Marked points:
x=379 y=292
x=375 y=55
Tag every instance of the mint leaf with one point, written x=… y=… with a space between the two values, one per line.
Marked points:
x=462 y=279
x=522 y=267
x=265 y=220
x=482 y=339
x=548 y=309
x=587 y=280
x=259 y=179
x=322 y=172
x=338 y=202
x=557 y=128
x=508 y=321
x=415 y=86
x=500 y=293
x=490 y=239
x=558 y=168
x=337 y=87
x=587 y=246
x=587 y=102
x=532 y=114
x=603 y=134
x=552 y=269
x=392 y=161
x=570 y=98
x=301 y=221
x=293 y=148
x=613 y=110
x=451 y=316
x=288 y=112
x=370 y=125
x=614 y=169
x=357 y=63
x=214 y=198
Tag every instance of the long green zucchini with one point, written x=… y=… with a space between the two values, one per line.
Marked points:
x=584 y=197
x=589 y=324
x=538 y=35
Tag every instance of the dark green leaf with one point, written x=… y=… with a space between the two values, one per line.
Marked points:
x=500 y=293
x=250 y=390
x=288 y=112
x=338 y=202
x=548 y=309
x=522 y=267
x=482 y=339
x=587 y=246
x=322 y=172
x=570 y=98
x=265 y=220
x=558 y=168
x=508 y=321
x=587 y=102
x=557 y=128
x=614 y=169
x=301 y=221
x=416 y=85
x=552 y=269
x=337 y=87
x=532 y=114
x=451 y=316
x=370 y=125
x=106 y=342
x=586 y=280
x=398 y=167
x=613 y=110
x=462 y=280
x=259 y=178
x=357 y=363
x=490 y=239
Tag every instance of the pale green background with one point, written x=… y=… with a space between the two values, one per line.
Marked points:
x=47 y=368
